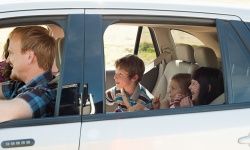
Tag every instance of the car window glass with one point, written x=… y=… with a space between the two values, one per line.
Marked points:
x=185 y=38
x=234 y=35
x=3 y=38
x=119 y=40
x=146 y=48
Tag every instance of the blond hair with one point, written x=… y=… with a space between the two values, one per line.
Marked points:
x=184 y=81
x=37 y=39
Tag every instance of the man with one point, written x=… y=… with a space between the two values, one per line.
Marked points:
x=31 y=55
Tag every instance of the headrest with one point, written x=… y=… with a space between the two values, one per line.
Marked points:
x=205 y=57
x=185 y=52
x=59 y=51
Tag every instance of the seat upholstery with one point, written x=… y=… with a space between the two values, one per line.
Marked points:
x=59 y=51
x=219 y=100
x=184 y=64
x=205 y=57
x=185 y=53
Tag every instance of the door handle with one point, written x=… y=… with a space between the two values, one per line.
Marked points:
x=244 y=140
x=92 y=104
x=17 y=143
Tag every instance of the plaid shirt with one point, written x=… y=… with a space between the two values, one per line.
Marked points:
x=37 y=93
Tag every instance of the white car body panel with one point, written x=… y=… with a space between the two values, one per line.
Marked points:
x=240 y=10
x=58 y=136
x=196 y=131
x=40 y=13
x=160 y=13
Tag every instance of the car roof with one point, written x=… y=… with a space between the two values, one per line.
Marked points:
x=240 y=9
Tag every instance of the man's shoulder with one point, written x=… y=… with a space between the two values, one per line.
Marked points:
x=40 y=91
x=40 y=87
x=45 y=81
x=38 y=97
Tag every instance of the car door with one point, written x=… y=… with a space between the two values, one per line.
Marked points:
x=57 y=131
x=207 y=127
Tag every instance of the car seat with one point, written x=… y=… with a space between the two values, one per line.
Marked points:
x=205 y=57
x=185 y=63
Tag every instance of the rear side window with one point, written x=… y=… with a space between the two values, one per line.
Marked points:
x=146 y=48
x=185 y=38
x=3 y=38
x=234 y=37
x=120 y=40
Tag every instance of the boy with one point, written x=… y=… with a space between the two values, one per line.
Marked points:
x=128 y=94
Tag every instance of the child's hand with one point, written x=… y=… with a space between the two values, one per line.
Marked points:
x=136 y=107
x=186 y=102
x=178 y=97
x=175 y=102
x=156 y=102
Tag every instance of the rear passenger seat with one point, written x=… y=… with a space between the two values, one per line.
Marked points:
x=206 y=57
x=185 y=63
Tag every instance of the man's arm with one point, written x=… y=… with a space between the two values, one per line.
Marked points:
x=16 y=108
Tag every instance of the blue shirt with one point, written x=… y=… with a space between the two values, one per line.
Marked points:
x=38 y=93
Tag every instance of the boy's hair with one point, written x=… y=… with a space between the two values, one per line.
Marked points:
x=184 y=81
x=132 y=64
x=37 y=39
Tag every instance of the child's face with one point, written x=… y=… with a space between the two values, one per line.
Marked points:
x=174 y=89
x=122 y=79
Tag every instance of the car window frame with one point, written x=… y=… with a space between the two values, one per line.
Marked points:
x=199 y=109
x=61 y=20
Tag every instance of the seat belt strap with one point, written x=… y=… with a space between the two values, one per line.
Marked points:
x=166 y=56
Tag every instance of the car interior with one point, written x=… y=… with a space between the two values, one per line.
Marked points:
x=165 y=48
x=70 y=103
x=70 y=100
x=172 y=54
x=175 y=53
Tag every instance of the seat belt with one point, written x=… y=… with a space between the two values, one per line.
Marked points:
x=166 y=56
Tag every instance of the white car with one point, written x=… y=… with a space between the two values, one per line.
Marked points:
x=95 y=33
